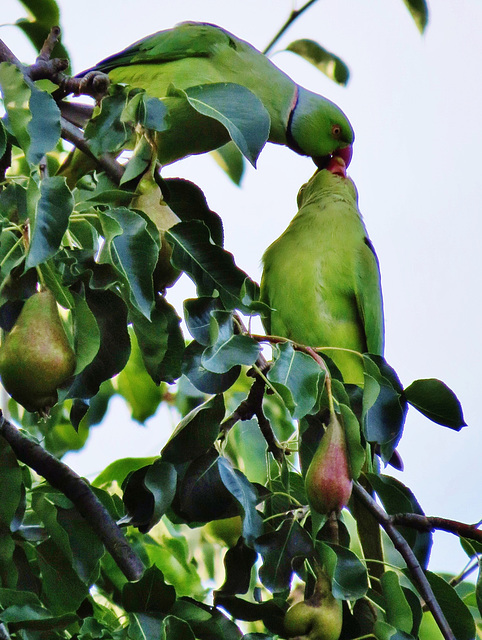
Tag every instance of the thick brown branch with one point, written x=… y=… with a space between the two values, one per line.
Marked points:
x=60 y=476
x=431 y=523
x=407 y=554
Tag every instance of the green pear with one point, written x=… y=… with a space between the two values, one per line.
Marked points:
x=36 y=357
x=328 y=480
x=320 y=617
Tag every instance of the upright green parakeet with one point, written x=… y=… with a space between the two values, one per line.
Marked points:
x=321 y=280
x=193 y=54
x=321 y=277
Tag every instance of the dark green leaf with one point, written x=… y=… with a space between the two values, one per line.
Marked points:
x=296 y=377
x=204 y=380
x=87 y=548
x=348 y=573
x=330 y=64
x=356 y=451
x=176 y=629
x=161 y=341
x=397 y=498
x=478 y=590
x=419 y=12
x=16 y=96
x=111 y=317
x=3 y=139
x=130 y=248
x=118 y=471
x=278 y=549
x=384 y=407
x=240 y=487
x=51 y=221
x=150 y=594
x=209 y=266
x=8 y=571
x=105 y=131
x=398 y=611
x=202 y=494
x=238 y=562
x=197 y=313
x=238 y=109
x=455 y=610
x=11 y=480
x=230 y=159
x=437 y=402
x=228 y=350
x=86 y=333
x=196 y=432
x=189 y=203
x=137 y=387
x=44 y=127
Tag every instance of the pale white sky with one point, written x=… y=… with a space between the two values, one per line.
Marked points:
x=415 y=104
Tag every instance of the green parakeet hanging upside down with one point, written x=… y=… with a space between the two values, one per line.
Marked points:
x=193 y=54
x=321 y=277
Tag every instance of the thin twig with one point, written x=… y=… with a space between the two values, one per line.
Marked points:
x=76 y=489
x=431 y=523
x=291 y=18
x=407 y=554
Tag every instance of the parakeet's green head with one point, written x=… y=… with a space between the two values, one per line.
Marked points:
x=320 y=129
x=326 y=181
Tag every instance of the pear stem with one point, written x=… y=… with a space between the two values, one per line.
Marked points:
x=76 y=489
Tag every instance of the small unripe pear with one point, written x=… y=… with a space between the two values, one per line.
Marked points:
x=317 y=618
x=36 y=357
x=328 y=480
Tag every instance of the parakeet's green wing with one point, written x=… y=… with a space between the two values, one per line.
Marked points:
x=369 y=298
x=188 y=40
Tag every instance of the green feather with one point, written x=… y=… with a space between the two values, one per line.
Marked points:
x=321 y=277
x=196 y=53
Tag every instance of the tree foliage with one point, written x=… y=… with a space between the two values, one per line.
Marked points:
x=219 y=536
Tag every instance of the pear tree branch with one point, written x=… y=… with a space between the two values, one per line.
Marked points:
x=407 y=554
x=76 y=489
x=432 y=523
x=291 y=18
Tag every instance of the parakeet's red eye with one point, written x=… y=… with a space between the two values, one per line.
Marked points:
x=336 y=130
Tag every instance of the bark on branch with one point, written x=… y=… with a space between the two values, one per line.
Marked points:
x=76 y=489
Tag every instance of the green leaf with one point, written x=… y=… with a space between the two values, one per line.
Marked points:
x=196 y=432
x=238 y=109
x=210 y=267
x=397 y=498
x=296 y=377
x=240 y=487
x=356 y=451
x=87 y=548
x=111 y=316
x=349 y=575
x=161 y=341
x=455 y=610
x=106 y=132
x=437 y=402
x=197 y=313
x=150 y=594
x=384 y=407
x=51 y=220
x=176 y=629
x=204 y=380
x=419 y=12
x=44 y=127
x=118 y=471
x=11 y=480
x=8 y=571
x=227 y=349
x=188 y=202
x=230 y=159
x=3 y=139
x=202 y=495
x=137 y=387
x=330 y=64
x=16 y=96
x=399 y=613
x=130 y=248
x=86 y=333
x=279 y=548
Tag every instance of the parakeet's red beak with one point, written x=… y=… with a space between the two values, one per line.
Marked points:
x=331 y=162
x=337 y=166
